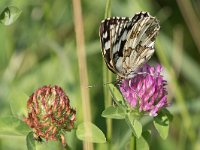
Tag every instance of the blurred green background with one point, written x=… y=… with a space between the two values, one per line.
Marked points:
x=40 y=49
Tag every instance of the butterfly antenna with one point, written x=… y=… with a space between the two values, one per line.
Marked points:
x=96 y=85
x=146 y=73
x=112 y=82
x=91 y=86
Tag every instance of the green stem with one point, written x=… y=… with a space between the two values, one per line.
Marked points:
x=67 y=147
x=133 y=137
x=107 y=101
x=107 y=76
x=177 y=91
x=133 y=142
x=108 y=9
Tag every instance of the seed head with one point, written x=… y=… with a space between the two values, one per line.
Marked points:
x=49 y=113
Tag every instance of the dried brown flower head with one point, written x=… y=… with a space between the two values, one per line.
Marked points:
x=49 y=113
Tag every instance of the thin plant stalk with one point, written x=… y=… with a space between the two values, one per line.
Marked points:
x=132 y=137
x=191 y=19
x=177 y=56
x=82 y=65
x=187 y=122
x=133 y=142
x=108 y=9
x=107 y=77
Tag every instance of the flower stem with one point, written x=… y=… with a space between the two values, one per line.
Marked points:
x=107 y=78
x=82 y=64
x=132 y=137
x=108 y=9
x=187 y=122
x=133 y=142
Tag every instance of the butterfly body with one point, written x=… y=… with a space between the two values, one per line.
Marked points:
x=128 y=43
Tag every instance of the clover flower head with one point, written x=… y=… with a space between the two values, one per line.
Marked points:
x=146 y=90
x=49 y=113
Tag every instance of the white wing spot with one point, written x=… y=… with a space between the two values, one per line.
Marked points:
x=119 y=64
x=115 y=48
x=105 y=35
x=124 y=35
x=107 y=45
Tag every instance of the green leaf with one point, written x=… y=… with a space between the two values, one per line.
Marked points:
x=114 y=113
x=135 y=126
x=142 y=144
x=161 y=123
x=95 y=135
x=30 y=142
x=115 y=93
x=166 y=112
x=147 y=135
x=13 y=126
x=9 y=15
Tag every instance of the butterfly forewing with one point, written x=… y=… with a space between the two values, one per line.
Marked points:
x=128 y=43
x=111 y=30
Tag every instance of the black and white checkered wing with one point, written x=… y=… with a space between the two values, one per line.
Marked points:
x=128 y=43
x=112 y=42
x=139 y=46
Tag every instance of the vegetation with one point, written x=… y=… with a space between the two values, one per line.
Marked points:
x=41 y=48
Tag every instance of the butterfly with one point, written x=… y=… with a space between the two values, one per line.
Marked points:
x=128 y=43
